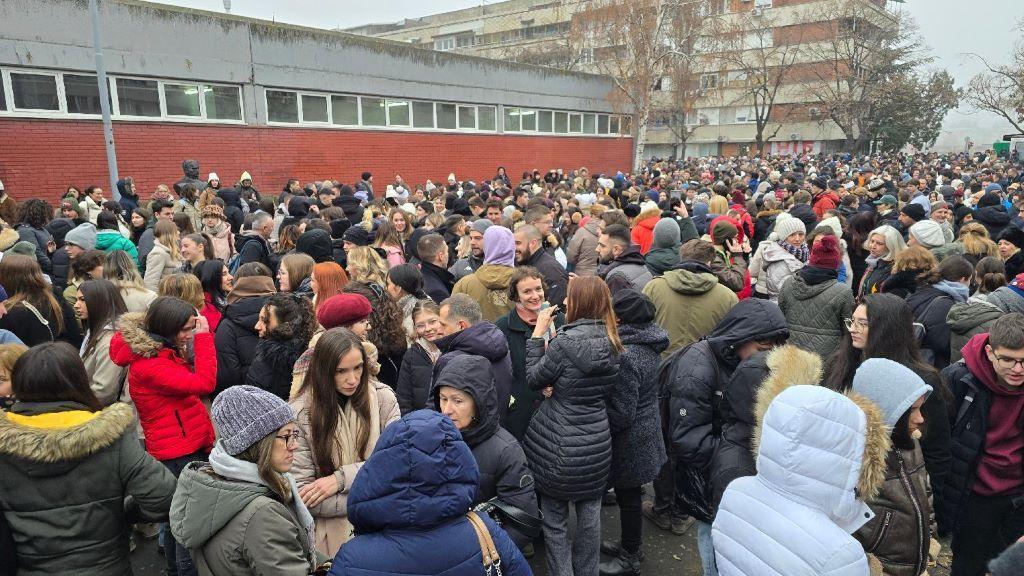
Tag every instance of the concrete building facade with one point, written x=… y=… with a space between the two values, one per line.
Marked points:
x=276 y=100
x=720 y=119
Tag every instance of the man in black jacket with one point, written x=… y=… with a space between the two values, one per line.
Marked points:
x=694 y=379
x=253 y=245
x=530 y=252
x=982 y=498
x=437 y=280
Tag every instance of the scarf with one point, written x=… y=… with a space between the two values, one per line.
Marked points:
x=216 y=230
x=228 y=466
x=251 y=286
x=531 y=320
x=430 y=348
x=801 y=252
x=813 y=275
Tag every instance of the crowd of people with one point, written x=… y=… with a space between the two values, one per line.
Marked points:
x=816 y=361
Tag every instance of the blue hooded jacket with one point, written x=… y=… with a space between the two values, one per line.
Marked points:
x=408 y=506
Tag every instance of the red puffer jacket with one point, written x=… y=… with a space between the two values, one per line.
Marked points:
x=165 y=391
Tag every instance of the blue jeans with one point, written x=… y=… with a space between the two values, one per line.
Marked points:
x=706 y=549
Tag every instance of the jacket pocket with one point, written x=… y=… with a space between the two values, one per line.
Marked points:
x=879 y=536
x=181 y=425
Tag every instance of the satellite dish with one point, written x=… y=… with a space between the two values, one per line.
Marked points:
x=227 y=6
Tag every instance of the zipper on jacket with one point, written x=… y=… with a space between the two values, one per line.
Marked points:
x=181 y=424
x=918 y=514
x=881 y=531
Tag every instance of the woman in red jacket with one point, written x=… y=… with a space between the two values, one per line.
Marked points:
x=166 y=391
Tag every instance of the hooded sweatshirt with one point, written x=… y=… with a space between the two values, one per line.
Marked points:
x=1000 y=467
x=688 y=302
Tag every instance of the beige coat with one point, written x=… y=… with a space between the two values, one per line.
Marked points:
x=136 y=299
x=159 y=264
x=106 y=378
x=331 y=516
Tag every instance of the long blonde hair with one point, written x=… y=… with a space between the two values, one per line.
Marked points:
x=366 y=265
x=166 y=233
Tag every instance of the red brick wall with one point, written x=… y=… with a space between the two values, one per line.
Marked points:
x=40 y=158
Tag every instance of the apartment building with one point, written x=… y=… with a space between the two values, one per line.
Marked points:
x=719 y=116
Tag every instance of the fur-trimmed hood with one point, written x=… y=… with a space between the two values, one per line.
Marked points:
x=135 y=342
x=66 y=434
x=818 y=447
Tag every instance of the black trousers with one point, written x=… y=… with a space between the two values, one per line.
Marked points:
x=631 y=517
x=988 y=525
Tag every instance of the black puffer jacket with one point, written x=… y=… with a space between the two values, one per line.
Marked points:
x=969 y=425
x=272 y=364
x=638 y=448
x=504 y=474
x=695 y=377
x=993 y=218
x=482 y=339
x=874 y=277
x=236 y=341
x=414 y=377
x=931 y=308
x=554 y=274
x=568 y=442
x=61 y=264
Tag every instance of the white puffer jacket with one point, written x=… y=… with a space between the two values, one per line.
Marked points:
x=818 y=451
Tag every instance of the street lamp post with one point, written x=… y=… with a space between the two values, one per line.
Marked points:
x=101 y=78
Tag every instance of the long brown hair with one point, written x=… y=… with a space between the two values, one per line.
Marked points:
x=589 y=297
x=323 y=397
x=23 y=279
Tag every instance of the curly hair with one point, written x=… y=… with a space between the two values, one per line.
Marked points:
x=295 y=317
x=35 y=212
x=386 y=330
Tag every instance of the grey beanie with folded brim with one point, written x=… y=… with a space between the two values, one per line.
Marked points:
x=244 y=415
x=890 y=385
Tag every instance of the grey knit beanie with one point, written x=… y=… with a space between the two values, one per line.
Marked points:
x=666 y=233
x=244 y=415
x=890 y=385
x=83 y=236
x=481 y=225
x=785 y=224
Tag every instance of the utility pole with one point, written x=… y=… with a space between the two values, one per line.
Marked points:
x=104 y=85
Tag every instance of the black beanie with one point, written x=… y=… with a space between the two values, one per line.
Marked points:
x=338 y=227
x=632 y=307
x=357 y=235
x=316 y=243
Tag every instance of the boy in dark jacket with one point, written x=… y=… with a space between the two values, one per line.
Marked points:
x=983 y=494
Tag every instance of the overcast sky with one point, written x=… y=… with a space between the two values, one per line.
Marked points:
x=950 y=28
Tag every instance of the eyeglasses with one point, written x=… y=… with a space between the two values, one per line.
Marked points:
x=1009 y=363
x=288 y=439
x=851 y=322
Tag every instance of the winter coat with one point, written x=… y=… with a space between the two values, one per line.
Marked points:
x=902 y=283
x=165 y=391
x=931 y=306
x=145 y=244
x=272 y=364
x=254 y=248
x=977 y=314
x=8 y=209
x=629 y=270
x=107 y=380
x=27 y=326
x=525 y=400
x=900 y=533
x=805 y=214
x=223 y=243
x=818 y=453
x=488 y=286
x=761 y=373
x=874 y=277
x=555 y=276
x=638 y=448
x=815 y=312
x=232 y=527
x=110 y=240
x=191 y=210
x=994 y=218
x=504 y=474
x=824 y=202
x=582 y=249
x=464 y=267
x=643 y=231
x=693 y=380
x=236 y=340
x=437 y=282
x=1014 y=264
x=330 y=515
x=39 y=238
x=68 y=475
x=482 y=339
x=90 y=210
x=415 y=523
x=661 y=260
x=135 y=299
x=568 y=442
x=772 y=265
x=159 y=264
x=60 y=264
x=763 y=225
x=414 y=379
x=689 y=301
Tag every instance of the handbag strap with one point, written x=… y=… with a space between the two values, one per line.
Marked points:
x=39 y=316
x=491 y=560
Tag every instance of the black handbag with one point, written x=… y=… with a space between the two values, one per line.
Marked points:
x=507 y=515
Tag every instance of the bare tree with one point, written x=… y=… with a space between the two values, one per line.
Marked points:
x=638 y=43
x=748 y=47
x=860 y=54
x=1000 y=89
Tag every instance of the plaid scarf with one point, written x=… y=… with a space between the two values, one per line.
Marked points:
x=802 y=252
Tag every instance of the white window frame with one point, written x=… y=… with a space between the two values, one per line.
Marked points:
x=706 y=82
x=8 y=87
x=408 y=106
x=162 y=86
x=302 y=120
x=762 y=3
x=579 y=118
x=458 y=117
x=298 y=105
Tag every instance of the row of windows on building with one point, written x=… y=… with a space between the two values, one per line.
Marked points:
x=74 y=94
